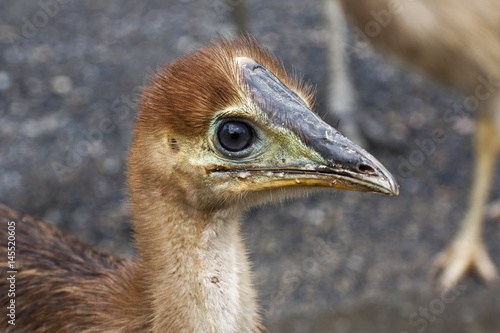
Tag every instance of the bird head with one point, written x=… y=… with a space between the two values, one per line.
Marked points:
x=226 y=126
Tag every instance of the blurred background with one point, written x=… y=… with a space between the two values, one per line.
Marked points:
x=341 y=262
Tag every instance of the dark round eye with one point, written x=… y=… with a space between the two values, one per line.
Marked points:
x=235 y=136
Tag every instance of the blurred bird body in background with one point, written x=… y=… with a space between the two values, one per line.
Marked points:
x=458 y=44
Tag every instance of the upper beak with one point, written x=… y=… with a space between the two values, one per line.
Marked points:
x=339 y=162
x=352 y=167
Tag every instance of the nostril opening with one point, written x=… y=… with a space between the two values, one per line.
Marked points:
x=366 y=168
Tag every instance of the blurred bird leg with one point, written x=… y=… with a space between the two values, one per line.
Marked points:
x=341 y=96
x=241 y=17
x=467 y=250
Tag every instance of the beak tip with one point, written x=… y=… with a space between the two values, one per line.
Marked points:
x=395 y=190
x=387 y=184
x=391 y=186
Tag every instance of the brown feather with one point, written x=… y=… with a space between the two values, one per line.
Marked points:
x=211 y=72
x=63 y=284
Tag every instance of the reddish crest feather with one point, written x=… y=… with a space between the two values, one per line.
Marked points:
x=184 y=95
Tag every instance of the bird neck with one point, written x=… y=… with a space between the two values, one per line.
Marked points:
x=194 y=266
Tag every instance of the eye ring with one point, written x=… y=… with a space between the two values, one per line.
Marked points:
x=235 y=136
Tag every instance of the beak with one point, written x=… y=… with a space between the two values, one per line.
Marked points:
x=349 y=166
x=330 y=159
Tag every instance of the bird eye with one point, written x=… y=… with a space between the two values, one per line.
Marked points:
x=235 y=136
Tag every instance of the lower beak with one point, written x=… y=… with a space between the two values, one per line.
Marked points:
x=364 y=180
